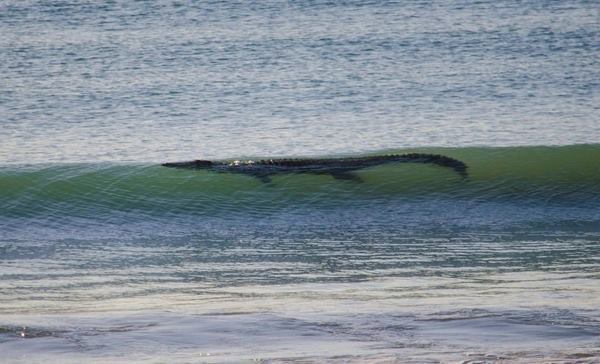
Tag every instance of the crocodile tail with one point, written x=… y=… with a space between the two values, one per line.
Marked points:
x=441 y=160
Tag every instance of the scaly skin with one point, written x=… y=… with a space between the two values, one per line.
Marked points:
x=337 y=167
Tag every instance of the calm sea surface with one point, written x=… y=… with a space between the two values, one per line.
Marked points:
x=107 y=257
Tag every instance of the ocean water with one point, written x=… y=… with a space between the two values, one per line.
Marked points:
x=106 y=256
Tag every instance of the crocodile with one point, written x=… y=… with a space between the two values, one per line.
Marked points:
x=338 y=168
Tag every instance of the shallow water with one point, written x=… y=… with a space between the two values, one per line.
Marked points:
x=105 y=256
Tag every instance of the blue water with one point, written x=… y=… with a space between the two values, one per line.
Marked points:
x=105 y=256
x=161 y=80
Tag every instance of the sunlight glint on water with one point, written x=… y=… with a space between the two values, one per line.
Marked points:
x=105 y=256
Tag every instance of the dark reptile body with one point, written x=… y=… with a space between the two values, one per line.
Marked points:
x=337 y=167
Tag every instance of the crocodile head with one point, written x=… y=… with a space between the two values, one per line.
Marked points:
x=198 y=163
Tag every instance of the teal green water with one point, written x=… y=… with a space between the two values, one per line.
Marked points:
x=215 y=265
x=107 y=257
x=567 y=175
